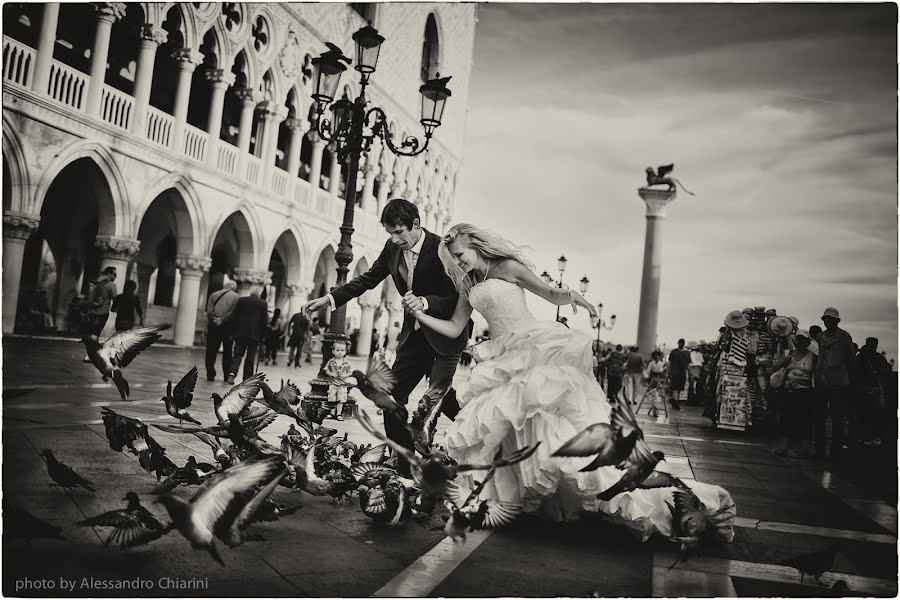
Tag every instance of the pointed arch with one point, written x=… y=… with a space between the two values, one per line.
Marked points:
x=184 y=185
x=14 y=157
x=105 y=161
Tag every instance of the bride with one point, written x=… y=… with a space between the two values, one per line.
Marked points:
x=534 y=382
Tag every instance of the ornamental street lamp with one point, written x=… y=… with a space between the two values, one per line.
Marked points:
x=353 y=127
x=561 y=265
x=599 y=323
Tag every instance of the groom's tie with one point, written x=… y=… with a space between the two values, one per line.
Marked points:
x=411 y=258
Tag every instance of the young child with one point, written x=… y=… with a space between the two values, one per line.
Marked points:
x=338 y=369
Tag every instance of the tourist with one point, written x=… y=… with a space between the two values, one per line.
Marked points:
x=219 y=312
x=273 y=338
x=870 y=372
x=126 y=305
x=634 y=372
x=832 y=378
x=792 y=390
x=251 y=314
x=615 y=371
x=679 y=363
x=297 y=332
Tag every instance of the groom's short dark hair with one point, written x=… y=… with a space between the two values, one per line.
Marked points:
x=400 y=212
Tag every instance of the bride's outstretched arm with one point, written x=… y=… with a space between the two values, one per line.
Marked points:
x=452 y=328
x=526 y=279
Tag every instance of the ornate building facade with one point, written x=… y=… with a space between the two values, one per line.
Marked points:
x=174 y=142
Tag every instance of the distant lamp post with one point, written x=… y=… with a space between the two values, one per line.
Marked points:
x=584 y=285
x=599 y=323
x=353 y=128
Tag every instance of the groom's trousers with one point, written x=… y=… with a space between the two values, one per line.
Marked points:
x=415 y=359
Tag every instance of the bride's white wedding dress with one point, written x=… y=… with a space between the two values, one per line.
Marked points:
x=534 y=383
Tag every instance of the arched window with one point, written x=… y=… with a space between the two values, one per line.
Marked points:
x=430 y=49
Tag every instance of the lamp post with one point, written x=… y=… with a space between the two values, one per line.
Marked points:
x=599 y=323
x=561 y=264
x=353 y=128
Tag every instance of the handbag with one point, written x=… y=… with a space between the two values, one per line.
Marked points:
x=776 y=380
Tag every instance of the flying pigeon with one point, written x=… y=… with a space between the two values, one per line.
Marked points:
x=179 y=399
x=377 y=384
x=118 y=351
x=132 y=526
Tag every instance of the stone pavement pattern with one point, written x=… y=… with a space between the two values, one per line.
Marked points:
x=53 y=400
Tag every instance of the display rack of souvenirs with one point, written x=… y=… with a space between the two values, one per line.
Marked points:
x=737 y=388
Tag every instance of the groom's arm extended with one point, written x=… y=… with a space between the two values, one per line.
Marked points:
x=377 y=273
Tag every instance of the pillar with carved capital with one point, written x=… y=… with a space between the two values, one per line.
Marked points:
x=144 y=273
x=648 y=314
x=367 y=200
x=187 y=60
x=247 y=279
x=298 y=294
x=107 y=14
x=46 y=42
x=295 y=142
x=383 y=189
x=116 y=252
x=368 y=302
x=151 y=37
x=315 y=161
x=219 y=80
x=248 y=99
x=17 y=228
x=192 y=269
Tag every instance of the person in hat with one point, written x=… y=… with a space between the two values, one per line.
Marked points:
x=832 y=380
x=793 y=396
x=739 y=346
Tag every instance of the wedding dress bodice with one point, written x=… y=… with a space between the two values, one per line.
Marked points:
x=502 y=304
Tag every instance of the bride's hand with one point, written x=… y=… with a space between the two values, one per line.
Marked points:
x=577 y=300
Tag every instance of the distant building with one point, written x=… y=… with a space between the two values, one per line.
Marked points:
x=173 y=141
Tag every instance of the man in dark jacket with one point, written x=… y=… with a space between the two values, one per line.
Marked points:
x=248 y=324
x=410 y=258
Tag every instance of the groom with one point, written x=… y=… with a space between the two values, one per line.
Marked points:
x=410 y=257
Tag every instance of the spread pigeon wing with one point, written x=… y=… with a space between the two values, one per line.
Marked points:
x=458 y=493
x=658 y=479
x=184 y=391
x=227 y=495
x=374 y=455
x=245 y=517
x=686 y=501
x=367 y=424
x=134 y=533
x=589 y=442
x=381 y=377
x=507 y=461
x=125 y=345
x=624 y=420
x=495 y=513
x=290 y=393
x=257 y=417
x=641 y=456
x=241 y=396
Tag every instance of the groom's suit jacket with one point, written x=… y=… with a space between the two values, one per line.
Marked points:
x=429 y=281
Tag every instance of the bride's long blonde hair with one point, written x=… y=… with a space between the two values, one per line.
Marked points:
x=488 y=244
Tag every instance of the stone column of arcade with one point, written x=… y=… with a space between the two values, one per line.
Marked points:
x=299 y=293
x=192 y=269
x=116 y=252
x=368 y=302
x=107 y=14
x=17 y=228
x=656 y=201
x=150 y=37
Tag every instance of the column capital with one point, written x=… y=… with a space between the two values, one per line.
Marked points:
x=219 y=77
x=369 y=301
x=252 y=277
x=153 y=34
x=294 y=124
x=187 y=58
x=656 y=201
x=314 y=137
x=19 y=226
x=116 y=247
x=447 y=220
x=247 y=95
x=109 y=11
x=193 y=265
x=298 y=289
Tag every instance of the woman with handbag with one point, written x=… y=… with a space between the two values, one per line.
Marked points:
x=792 y=384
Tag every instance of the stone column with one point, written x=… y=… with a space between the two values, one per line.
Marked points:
x=367 y=201
x=246 y=279
x=334 y=177
x=17 y=228
x=219 y=80
x=384 y=180
x=271 y=114
x=107 y=14
x=151 y=37
x=656 y=202
x=116 y=252
x=315 y=161
x=144 y=272
x=292 y=164
x=368 y=302
x=248 y=99
x=187 y=60
x=298 y=294
x=40 y=78
x=192 y=269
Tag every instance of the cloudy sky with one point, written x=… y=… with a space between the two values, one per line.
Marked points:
x=780 y=118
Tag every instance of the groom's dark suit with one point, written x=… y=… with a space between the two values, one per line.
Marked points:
x=420 y=350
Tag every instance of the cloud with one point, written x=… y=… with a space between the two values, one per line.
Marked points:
x=782 y=119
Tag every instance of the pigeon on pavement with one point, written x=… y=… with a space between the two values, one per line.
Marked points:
x=64 y=475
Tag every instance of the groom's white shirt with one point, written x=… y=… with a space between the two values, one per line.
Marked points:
x=411 y=257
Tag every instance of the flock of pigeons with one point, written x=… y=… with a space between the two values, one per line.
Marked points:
x=233 y=491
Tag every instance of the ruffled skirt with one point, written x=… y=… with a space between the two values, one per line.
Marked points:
x=536 y=385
